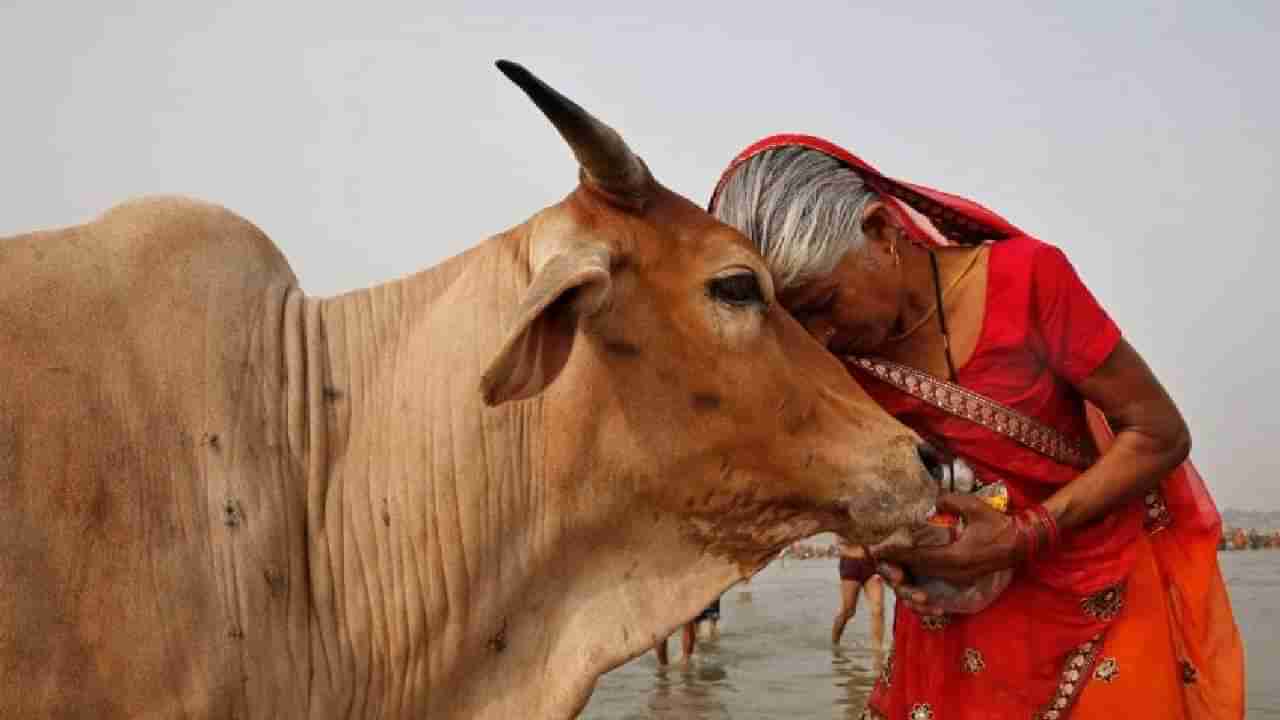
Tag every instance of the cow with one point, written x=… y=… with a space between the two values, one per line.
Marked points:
x=465 y=493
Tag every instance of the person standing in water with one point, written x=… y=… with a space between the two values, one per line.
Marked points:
x=689 y=633
x=852 y=560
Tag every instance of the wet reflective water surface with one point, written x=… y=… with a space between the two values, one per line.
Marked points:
x=774 y=657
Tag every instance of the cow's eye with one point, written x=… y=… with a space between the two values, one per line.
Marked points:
x=740 y=288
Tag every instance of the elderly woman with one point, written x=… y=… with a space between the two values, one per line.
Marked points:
x=985 y=340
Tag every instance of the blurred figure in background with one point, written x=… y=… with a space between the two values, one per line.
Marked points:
x=689 y=633
x=851 y=558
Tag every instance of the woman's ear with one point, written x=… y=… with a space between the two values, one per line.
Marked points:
x=878 y=224
x=882 y=232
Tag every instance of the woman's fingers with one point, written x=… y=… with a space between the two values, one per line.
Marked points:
x=914 y=597
x=929 y=561
x=963 y=505
x=918 y=600
x=892 y=574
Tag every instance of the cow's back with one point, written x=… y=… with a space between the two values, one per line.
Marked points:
x=144 y=489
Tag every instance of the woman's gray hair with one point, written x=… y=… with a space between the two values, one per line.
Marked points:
x=801 y=207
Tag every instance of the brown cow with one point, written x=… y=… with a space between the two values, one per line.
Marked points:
x=221 y=498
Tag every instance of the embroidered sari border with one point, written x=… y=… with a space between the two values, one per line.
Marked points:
x=1077 y=669
x=994 y=416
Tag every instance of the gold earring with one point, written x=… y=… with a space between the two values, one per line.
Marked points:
x=893 y=250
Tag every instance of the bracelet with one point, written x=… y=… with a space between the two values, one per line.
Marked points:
x=1050 y=526
x=1024 y=540
x=1036 y=534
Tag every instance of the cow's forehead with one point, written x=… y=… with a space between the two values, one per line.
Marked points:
x=671 y=232
x=677 y=229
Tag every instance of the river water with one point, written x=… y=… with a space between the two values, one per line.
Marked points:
x=774 y=658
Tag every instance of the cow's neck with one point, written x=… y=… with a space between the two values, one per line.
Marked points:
x=454 y=571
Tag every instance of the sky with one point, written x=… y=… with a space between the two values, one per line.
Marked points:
x=374 y=139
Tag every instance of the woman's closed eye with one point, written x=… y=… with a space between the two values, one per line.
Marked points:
x=814 y=306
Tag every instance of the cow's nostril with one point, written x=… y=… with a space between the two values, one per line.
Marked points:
x=933 y=461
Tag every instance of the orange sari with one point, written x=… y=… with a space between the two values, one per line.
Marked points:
x=1179 y=616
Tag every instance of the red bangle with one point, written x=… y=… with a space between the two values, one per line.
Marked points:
x=1036 y=533
x=1024 y=539
x=1053 y=536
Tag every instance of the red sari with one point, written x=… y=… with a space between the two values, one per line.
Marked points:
x=1130 y=615
x=1031 y=652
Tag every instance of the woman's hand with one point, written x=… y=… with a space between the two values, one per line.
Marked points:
x=987 y=543
x=913 y=597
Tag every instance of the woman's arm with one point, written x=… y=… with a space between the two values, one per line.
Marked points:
x=1151 y=440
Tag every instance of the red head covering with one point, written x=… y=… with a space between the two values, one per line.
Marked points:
x=929 y=215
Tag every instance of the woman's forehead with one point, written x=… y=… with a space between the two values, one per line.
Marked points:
x=808 y=290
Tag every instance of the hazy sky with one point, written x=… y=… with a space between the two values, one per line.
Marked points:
x=377 y=138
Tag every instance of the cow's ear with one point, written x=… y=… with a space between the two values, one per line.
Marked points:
x=572 y=284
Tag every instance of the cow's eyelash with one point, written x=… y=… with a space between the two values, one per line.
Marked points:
x=741 y=288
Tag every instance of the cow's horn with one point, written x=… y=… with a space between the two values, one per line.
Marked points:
x=605 y=158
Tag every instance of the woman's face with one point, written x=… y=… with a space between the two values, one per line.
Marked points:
x=854 y=309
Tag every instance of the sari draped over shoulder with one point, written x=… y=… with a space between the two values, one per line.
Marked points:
x=1130 y=614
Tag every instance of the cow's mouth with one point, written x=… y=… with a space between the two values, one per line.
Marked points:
x=884 y=516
